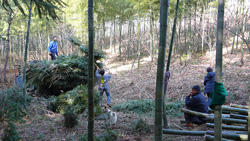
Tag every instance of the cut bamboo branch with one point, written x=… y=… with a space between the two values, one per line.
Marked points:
x=211 y=138
x=180 y=132
x=239 y=106
x=228 y=120
x=238 y=110
x=237 y=116
x=229 y=127
x=232 y=136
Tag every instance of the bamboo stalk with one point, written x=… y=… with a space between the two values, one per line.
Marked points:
x=239 y=106
x=228 y=120
x=181 y=132
x=211 y=138
x=229 y=127
x=160 y=69
x=232 y=136
x=238 y=110
x=237 y=116
x=187 y=111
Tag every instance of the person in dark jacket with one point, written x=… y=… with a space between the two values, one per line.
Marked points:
x=209 y=83
x=196 y=101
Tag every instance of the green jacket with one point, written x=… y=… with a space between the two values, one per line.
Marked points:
x=218 y=95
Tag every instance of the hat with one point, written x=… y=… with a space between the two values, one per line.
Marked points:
x=197 y=88
x=209 y=69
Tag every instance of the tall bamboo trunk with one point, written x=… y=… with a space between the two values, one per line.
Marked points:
x=151 y=36
x=26 y=53
x=160 y=69
x=103 y=31
x=165 y=121
x=218 y=72
x=91 y=116
x=114 y=34
x=7 y=45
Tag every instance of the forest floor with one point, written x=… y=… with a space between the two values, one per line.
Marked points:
x=134 y=84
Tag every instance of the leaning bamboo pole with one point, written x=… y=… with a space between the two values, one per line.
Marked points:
x=228 y=120
x=237 y=116
x=211 y=138
x=239 y=106
x=228 y=135
x=187 y=111
x=237 y=110
x=229 y=127
x=181 y=132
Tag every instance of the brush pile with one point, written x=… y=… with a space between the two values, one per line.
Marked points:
x=63 y=74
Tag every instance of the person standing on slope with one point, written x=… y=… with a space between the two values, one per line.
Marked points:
x=52 y=49
x=103 y=84
x=209 y=83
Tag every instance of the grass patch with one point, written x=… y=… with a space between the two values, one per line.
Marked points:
x=148 y=105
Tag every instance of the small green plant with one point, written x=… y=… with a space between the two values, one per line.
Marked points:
x=110 y=135
x=141 y=126
x=12 y=104
x=173 y=108
x=10 y=133
x=70 y=119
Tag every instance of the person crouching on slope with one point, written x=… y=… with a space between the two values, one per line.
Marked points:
x=103 y=84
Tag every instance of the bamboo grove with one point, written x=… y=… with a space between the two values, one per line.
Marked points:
x=116 y=29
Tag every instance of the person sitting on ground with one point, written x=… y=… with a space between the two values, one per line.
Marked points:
x=103 y=84
x=209 y=83
x=195 y=101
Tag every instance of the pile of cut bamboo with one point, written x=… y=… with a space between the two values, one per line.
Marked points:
x=234 y=121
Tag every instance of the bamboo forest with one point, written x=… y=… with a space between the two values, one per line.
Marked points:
x=124 y=70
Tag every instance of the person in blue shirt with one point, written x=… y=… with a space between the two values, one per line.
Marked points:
x=103 y=84
x=196 y=101
x=52 y=49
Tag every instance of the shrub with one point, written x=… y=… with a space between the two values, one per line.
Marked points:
x=141 y=126
x=62 y=74
x=110 y=135
x=12 y=106
x=137 y=106
x=10 y=133
x=70 y=119
x=76 y=100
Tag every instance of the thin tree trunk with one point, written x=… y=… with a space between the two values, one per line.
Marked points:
x=151 y=36
x=139 y=38
x=243 y=32
x=114 y=35
x=218 y=76
x=25 y=53
x=160 y=70
x=7 y=45
x=165 y=121
x=91 y=116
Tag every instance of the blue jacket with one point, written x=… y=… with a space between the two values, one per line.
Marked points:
x=53 y=47
x=106 y=78
x=209 y=82
x=197 y=103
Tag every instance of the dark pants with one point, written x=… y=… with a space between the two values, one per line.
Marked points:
x=193 y=119
x=53 y=56
x=107 y=93
x=209 y=98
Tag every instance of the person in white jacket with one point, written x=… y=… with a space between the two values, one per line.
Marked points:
x=103 y=83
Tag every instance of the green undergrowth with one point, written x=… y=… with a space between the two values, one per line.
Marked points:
x=12 y=105
x=75 y=100
x=147 y=105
